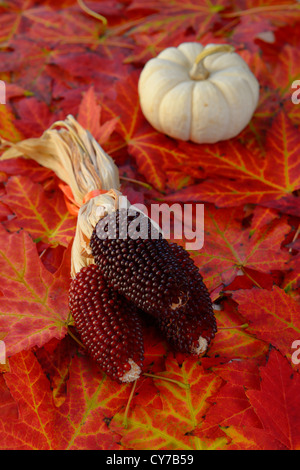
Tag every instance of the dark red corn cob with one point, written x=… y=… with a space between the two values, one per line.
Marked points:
x=145 y=269
x=159 y=278
x=108 y=325
x=191 y=327
x=186 y=333
x=199 y=302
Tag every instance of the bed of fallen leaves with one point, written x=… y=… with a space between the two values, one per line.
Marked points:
x=55 y=60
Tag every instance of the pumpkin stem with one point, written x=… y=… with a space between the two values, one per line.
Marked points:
x=198 y=71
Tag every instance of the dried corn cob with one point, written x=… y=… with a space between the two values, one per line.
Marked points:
x=190 y=328
x=187 y=333
x=144 y=270
x=199 y=302
x=108 y=325
x=158 y=277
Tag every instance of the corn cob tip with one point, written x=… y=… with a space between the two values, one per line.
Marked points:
x=132 y=374
x=108 y=326
x=199 y=348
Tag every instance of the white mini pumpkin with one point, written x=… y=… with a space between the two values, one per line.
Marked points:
x=203 y=94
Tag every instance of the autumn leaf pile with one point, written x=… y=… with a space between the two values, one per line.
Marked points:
x=55 y=60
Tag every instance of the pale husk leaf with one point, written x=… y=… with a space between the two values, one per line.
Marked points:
x=89 y=215
x=80 y=162
x=73 y=154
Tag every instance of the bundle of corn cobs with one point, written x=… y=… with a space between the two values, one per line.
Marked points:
x=118 y=279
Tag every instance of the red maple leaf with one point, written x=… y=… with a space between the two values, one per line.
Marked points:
x=34 y=302
x=278 y=391
x=236 y=175
x=273 y=316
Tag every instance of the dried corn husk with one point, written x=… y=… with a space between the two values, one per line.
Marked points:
x=81 y=163
x=73 y=154
x=89 y=214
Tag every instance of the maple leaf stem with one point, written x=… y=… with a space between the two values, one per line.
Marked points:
x=295 y=237
x=244 y=325
x=125 y=418
x=262 y=9
x=198 y=71
x=167 y=379
x=42 y=253
x=141 y=183
x=69 y=322
x=250 y=277
x=75 y=338
x=90 y=12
